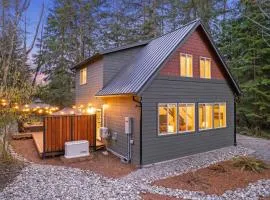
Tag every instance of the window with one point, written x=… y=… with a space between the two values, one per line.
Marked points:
x=205 y=116
x=186 y=67
x=186 y=117
x=212 y=115
x=83 y=76
x=205 y=67
x=167 y=115
x=219 y=115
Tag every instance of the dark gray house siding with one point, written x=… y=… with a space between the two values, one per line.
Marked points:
x=173 y=90
x=100 y=72
x=118 y=109
x=86 y=93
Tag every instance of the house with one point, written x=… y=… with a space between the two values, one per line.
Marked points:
x=176 y=88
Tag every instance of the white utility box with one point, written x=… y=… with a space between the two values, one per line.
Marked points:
x=75 y=149
x=104 y=132
x=128 y=125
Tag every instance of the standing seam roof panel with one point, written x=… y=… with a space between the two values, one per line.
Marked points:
x=132 y=78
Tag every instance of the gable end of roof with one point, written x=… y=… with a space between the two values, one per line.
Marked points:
x=134 y=78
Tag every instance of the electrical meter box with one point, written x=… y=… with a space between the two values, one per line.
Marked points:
x=128 y=125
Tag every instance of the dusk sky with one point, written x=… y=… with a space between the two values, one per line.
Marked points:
x=33 y=14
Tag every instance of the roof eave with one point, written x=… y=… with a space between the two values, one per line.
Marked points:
x=115 y=95
x=86 y=61
x=235 y=84
x=102 y=53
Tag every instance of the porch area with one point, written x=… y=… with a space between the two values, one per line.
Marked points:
x=39 y=143
x=59 y=129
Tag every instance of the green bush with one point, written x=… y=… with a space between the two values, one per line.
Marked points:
x=249 y=164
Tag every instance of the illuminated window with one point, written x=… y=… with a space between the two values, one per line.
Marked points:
x=219 y=115
x=186 y=67
x=205 y=116
x=186 y=117
x=83 y=76
x=167 y=115
x=212 y=115
x=205 y=67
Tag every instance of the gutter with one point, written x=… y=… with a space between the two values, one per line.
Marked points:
x=139 y=102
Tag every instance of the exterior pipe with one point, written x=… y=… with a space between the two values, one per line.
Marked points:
x=140 y=102
x=234 y=109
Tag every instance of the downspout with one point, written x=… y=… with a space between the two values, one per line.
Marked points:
x=234 y=110
x=140 y=102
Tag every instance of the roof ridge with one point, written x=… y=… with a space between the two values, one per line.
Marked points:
x=187 y=24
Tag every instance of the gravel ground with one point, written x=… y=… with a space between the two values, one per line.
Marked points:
x=53 y=182
x=259 y=145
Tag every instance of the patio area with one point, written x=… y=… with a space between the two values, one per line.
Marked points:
x=105 y=165
x=38 y=139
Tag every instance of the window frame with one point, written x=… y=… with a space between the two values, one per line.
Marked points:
x=205 y=58
x=177 y=120
x=213 y=126
x=81 y=73
x=194 y=114
x=167 y=133
x=186 y=55
x=220 y=103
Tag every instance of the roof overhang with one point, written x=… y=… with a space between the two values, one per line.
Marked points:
x=108 y=51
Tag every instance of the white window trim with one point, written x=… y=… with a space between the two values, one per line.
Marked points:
x=81 y=72
x=206 y=58
x=186 y=55
x=194 y=112
x=212 y=116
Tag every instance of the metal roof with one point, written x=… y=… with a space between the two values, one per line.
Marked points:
x=133 y=77
x=107 y=51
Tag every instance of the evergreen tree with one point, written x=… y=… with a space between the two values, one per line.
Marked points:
x=248 y=56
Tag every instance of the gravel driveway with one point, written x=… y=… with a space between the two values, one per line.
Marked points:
x=259 y=145
x=55 y=182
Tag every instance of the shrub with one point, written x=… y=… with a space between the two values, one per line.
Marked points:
x=217 y=168
x=249 y=164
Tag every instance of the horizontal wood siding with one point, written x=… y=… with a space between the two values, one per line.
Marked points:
x=86 y=93
x=170 y=90
x=118 y=109
x=197 y=45
x=115 y=61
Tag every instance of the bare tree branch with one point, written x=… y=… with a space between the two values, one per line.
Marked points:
x=261 y=9
x=255 y=22
x=37 y=29
x=264 y=39
x=39 y=64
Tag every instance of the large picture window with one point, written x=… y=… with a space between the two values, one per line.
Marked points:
x=186 y=117
x=170 y=114
x=167 y=118
x=83 y=76
x=205 y=67
x=186 y=66
x=212 y=115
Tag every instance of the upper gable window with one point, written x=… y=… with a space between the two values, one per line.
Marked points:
x=83 y=76
x=186 y=67
x=205 y=67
